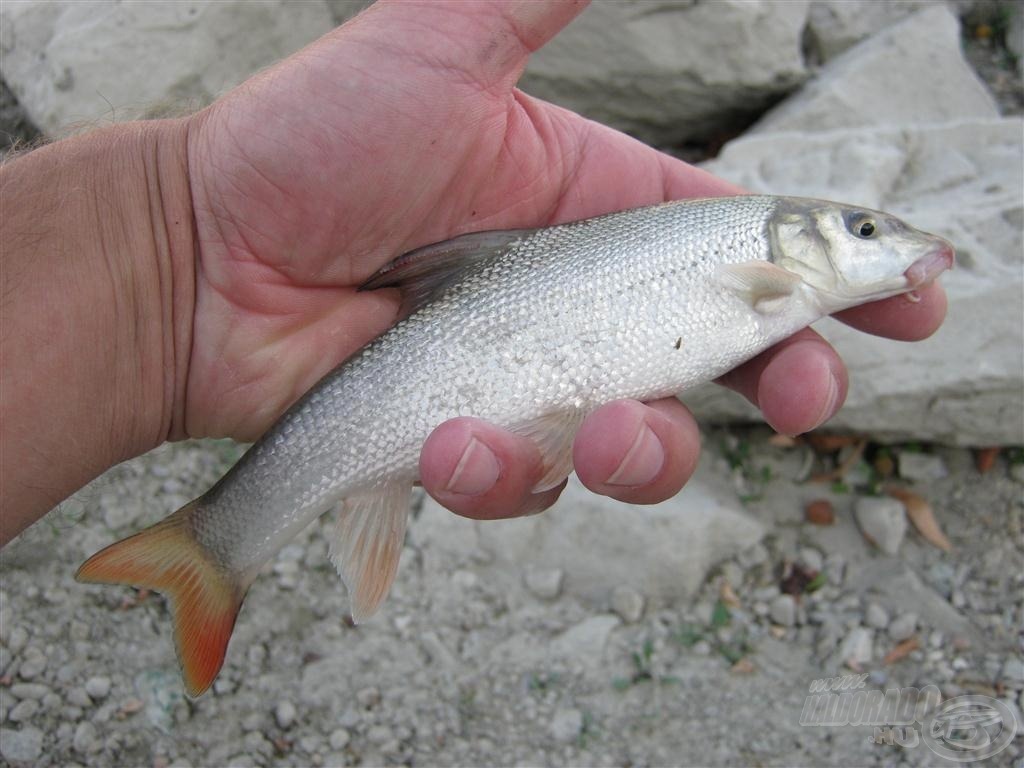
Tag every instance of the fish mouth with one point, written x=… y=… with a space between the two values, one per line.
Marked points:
x=931 y=265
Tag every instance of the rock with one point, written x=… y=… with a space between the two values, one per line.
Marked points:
x=856 y=649
x=80 y=61
x=833 y=26
x=18 y=639
x=284 y=714
x=23 y=711
x=339 y=739
x=1017 y=471
x=585 y=641
x=368 y=697
x=545 y=583
x=628 y=604
x=21 y=746
x=86 y=741
x=33 y=662
x=660 y=72
x=783 y=610
x=78 y=697
x=662 y=551
x=876 y=616
x=1012 y=672
x=820 y=512
x=566 y=725
x=34 y=691
x=921 y=467
x=932 y=83
x=811 y=559
x=883 y=522
x=97 y=687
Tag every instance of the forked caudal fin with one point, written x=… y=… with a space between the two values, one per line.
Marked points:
x=204 y=598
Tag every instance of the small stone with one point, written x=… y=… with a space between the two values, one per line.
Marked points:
x=85 y=740
x=379 y=734
x=339 y=739
x=752 y=556
x=566 y=725
x=856 y=649
x=1017 y=472
x=1013 y=671
x=368 y=697
x=29 y=691
x=811 y=559
x=732 y=573
x=5 y=658
x=783 y=610
x=820 y=512
x=921 y=467
x=18 y=639
x=23 y=711
x=22 y=746
x=628 y=604
x=545 y=583
x=33 y=663
x=97 y=687
x=876 y=616
x=78 y=697
x=284 y=714
x=883 y=522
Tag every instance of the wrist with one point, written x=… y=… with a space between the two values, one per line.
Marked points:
x=97 y=304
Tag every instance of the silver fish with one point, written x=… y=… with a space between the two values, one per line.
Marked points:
x=528 y=329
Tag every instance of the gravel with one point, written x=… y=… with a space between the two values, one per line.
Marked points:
x=883 y=521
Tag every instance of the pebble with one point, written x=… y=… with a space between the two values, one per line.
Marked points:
x=876 y=616
x=811 y=559
x=85 y=740
x=783 y=610
x=732 y=573
x=22 y=746
x=33 y=662
x=284 y=714
x=5 y=658
x=379 y=734
x=820 y=512
x=29 y=690
x=18 y=639
x=1013 y=671
x=368 y=697
x=545 y=583
x=857 y=647
x=628 y=604
x=752 y=556
x=1017 y=472
x=78 y=697
x=921 y=467
x=883 y=521
x=23 y=711
x=97 y=687
x=566 y=725
x=339 y=739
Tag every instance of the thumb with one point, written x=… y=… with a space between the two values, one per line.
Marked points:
x=488 y=42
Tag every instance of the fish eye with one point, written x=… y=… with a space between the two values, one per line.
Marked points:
x=863 y=227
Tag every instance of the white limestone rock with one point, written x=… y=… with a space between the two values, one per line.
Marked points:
x=669 y=71
x=86 y=61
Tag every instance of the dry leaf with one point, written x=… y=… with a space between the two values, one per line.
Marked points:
x=783 y=441
x=743 y=667
x=901 y=650
x=985 y=459
x=921 y=515
x=728 y=595
x=839 y=473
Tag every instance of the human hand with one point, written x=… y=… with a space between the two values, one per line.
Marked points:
x=404 y=128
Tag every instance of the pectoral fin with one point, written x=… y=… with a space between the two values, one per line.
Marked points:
x=553 y=434
x=368 y=543
x=763 y=285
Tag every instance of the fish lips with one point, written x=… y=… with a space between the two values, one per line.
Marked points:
x=931 y=265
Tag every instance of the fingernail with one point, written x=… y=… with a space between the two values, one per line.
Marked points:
x=476 y=472
x=643 y=460
x=831 y=400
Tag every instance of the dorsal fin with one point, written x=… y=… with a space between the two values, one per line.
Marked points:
x=423 y=275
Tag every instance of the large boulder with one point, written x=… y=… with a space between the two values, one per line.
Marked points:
x=663 y=551
x=910 y=73
x=962 y=180
x=669 y=72
x=79 y=62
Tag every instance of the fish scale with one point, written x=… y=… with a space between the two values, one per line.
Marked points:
x=530 y=330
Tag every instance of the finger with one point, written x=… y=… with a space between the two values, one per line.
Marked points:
x=798 y=384
x=907 y=317
x=478 y=470
x=637 y=453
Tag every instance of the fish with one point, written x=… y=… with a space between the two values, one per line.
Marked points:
x=530 y=329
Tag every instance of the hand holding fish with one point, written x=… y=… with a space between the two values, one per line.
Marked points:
x=262 y=217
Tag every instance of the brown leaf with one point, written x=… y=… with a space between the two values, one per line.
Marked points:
x=901 y=650
x=985 y=459
x=728 y=595
x=129 y=707
x=921 y=515
x=743 y=667
x=820 y=512
x=783 y=441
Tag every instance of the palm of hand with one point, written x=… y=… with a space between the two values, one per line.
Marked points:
x=348 y=154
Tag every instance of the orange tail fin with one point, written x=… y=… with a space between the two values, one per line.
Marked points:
x=204 y=598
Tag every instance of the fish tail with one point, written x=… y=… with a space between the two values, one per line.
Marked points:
x=204 y=597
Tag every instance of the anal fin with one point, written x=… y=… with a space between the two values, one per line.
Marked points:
x=368 y=542
x=553 y=433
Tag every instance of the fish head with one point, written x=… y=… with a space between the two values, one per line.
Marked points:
x=851 y=255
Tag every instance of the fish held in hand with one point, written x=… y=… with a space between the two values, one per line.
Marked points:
x=530 y=330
